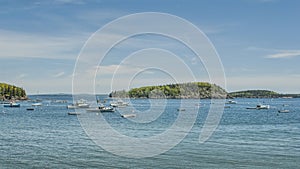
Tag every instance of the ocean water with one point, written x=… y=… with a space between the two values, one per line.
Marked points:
x=50 y=138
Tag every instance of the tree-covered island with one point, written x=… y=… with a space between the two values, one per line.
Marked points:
x=174 y=91
x=11 y=92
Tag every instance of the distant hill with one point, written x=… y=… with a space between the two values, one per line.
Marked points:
x=259 y=94
x=9 y=92
x=182 y=90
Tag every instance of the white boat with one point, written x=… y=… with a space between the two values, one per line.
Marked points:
x=37 y=104
x=119 y=103
x=259 y=107
x=73 y=113
x=83 y=105
x=79 y=104
x=231 y=102
x=12 y=104
x=107 y=109
x=128 y=115
x=72 y=106
x=96 y=109
x=283 y=111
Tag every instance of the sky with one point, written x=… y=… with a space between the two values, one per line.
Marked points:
x=257 y=41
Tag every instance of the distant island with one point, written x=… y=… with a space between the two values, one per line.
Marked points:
x=174 y=91
x=192 y=90
x=11 y=92
x=260 y=94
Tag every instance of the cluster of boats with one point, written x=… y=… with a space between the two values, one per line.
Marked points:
x=258 y=107
x=82 y=104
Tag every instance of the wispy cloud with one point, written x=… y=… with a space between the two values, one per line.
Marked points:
x=60 y=74
x=276 y=53
x=21 y=76
x=285 y=54
x=19 y=44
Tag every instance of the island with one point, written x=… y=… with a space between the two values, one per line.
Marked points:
x=193 y=90
x=260 y=94
x=188 y=90
x=11 y=92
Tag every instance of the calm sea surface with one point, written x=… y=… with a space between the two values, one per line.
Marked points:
x=50 y=138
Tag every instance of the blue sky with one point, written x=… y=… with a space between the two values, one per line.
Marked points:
x=258 y=41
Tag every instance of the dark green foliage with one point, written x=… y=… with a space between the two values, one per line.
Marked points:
x=8 y=92
x=183 y=90
x=255 y=94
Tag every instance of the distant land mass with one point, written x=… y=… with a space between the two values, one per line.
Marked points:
x=174 y=91
x=11 y=92
x=202 y=90
x=260 y=94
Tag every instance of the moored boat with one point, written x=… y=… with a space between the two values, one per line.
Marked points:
x=259 y=107
x=119 y=103
x=231 y=102
x=128 y=115
x=37 y=104
x=283 y=111
x=79 y=104
x=73 y=113
x=12 y=104
x=107 y=109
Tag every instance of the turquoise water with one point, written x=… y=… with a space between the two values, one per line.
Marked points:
x=49 y=138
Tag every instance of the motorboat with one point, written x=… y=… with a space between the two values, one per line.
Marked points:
x=259 y=107
x=37 y=104
x=73 y=113
x=83 y=105
x=30 y=109
x=107 y=109
x=283 y=111
x=12 y=104
x=79 y=104
x=231 y=102
x=128 y=115
x=119 y=103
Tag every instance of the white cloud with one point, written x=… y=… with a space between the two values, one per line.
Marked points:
x=276 y=53
x=19 y=44
x=285 y=54
x=60 y=74
x=21 y=76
